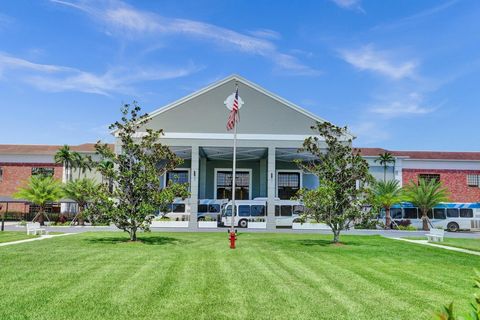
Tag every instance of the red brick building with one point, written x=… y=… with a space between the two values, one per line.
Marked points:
x=19 y=162
x=458 y=171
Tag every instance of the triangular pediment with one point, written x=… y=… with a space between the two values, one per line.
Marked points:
x=262 y=113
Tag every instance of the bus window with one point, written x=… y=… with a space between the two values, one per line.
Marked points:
x=214 y=208
x=429 y=213
x=277 y=211
x=178 y=207
x=257 y=210
x=243 y=211
x=298 y=209
x=286 y=211
x=202 y=208
x=452 y=213
x=410 y=213
x=396 y=213
x=439 y=213
x=466 y=213
x=228 y=211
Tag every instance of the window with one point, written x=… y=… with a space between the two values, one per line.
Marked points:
x=243 y=211
x=214 y=208
x=439 y=213
x=452 y=213
x=428 y=177
x=466 y=213
x=228 y=211
x=286 y=211
x=257 y=210
x=177 y=176
x=396 y=213
x=224 y=185
x=288 y=184
x=277 y=211
x=473 y=180
x=410 y=213
x=298 y=209
x=202 y=208
x=42 y=171
x=1 y=174
x=178 y=207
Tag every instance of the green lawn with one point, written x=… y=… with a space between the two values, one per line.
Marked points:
x=196 y=276
x=7 y=236
x=470 y=244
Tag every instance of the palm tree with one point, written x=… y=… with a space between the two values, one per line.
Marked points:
x=40 y=190
x=82 y=163
x=80 y=191
x=66 y=157
x=385 y=159
x=386 y=194
x=105 y=167
x=425 y=195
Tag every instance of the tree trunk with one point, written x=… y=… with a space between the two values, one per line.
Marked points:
x=425 y=221
x=133 y=234
x=336 y=236
x=388 y=219
x=81 y=221
x=384 y=173
x=41 y=218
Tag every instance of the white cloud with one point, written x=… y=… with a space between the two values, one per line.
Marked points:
x=410 y=105
x=367 y=58
x=57 y=78
x=370 y=132
x=349 y=4
x=266 y=34
x=123 y=20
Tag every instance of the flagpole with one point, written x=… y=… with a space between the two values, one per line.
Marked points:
x=234 y=174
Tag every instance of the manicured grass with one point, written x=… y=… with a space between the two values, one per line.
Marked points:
x=469 y=244
x=196 y=276
x=8 y=236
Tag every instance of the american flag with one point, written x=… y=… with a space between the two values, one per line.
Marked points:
x=233 y=116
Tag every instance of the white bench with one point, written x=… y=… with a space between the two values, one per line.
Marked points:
x=435 y=235
x=35 y=228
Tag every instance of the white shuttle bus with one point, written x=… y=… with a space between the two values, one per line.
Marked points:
x=286 y=212
x=450 y=216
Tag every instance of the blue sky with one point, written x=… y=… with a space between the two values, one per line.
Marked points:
x=401 y=74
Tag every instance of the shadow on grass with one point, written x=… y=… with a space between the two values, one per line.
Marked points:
x=153 y=240
x=326 y=243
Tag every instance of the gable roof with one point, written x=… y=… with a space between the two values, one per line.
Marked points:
x=243 y=81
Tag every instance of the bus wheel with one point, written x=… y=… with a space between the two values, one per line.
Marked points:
x=243 y=223
x=453 y=227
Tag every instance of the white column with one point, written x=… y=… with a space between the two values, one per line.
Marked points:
x=271 y=188
x=399 y=171
x=194 y=187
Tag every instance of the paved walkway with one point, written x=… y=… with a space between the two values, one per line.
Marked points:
x=426 y=243
x=42 y=237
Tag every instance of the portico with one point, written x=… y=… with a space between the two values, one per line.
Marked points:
x=270 y=132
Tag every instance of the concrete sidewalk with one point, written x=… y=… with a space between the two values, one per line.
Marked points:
x=42 y=237
x=426 y=243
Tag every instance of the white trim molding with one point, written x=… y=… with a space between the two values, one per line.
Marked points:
x=249 y=170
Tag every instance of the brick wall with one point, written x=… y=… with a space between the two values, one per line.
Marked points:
x=454 y=180
x=16 y=175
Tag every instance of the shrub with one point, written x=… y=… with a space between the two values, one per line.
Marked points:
x=209 y=218
x=406 y=228
x=367 y=224
x=448 y=312
x=401 y=223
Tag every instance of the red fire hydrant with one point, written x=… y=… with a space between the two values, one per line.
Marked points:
x=233 y=237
